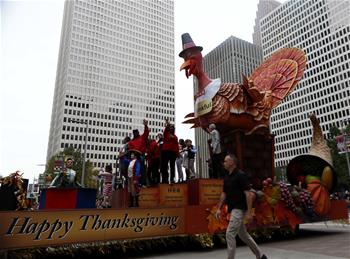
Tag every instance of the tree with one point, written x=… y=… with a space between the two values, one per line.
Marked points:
x=334 y=131
x=347 y=129
x=339 y=160
x=76 y=155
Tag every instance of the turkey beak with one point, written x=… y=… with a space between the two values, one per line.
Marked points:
x=186 y=65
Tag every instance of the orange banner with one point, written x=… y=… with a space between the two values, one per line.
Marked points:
x=174 y=195
x=149 y=197
x=210 y=191
x=48 y=228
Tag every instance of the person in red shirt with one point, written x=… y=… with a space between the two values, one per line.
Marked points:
x=153 y=157
x=139 y=144
x=169 y=153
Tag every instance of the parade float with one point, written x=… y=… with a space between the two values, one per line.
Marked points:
x=182 y=213
x=241 y=113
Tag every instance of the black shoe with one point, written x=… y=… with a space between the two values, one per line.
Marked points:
x=264 y=257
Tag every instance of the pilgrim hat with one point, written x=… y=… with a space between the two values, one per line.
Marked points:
x=313 y=163
x=136 y=152
x=187 y=44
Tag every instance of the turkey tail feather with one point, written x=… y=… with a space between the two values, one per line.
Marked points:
x=280 y=73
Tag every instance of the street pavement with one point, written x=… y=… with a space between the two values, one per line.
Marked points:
x=314 y=241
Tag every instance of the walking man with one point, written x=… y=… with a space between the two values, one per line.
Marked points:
x=238 y=199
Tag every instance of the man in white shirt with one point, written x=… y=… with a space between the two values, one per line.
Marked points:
x=216 y=157
x=66 y=178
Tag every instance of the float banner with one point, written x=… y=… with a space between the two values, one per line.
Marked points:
x=204 y=191
x=210 y=191
x=173 y=195
x=149 y=197
x=48 y=228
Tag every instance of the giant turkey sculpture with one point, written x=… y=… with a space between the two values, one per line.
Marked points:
x=244 y=106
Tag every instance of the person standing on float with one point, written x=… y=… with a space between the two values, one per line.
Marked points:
x=138 y=144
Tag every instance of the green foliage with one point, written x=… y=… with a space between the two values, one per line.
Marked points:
x=334 y=131
x=278 y=173
x=347 y=129
x=281 y=174
x=77 y=157
x=91 y=180
x=339 y=160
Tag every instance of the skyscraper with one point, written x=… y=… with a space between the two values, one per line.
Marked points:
x=115 y=68
x=322 y=30
x=264 y=7
x=228 y=61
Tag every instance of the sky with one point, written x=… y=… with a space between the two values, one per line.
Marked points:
x=30 y=38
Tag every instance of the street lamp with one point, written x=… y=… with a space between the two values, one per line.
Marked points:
x=86 y=132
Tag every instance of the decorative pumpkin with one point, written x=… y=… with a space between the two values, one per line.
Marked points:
x=320 y=196
x=327 y=177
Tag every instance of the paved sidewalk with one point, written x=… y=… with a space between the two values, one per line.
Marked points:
x=316 y=241
x=245 y=253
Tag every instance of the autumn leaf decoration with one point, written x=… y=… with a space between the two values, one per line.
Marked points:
x=217 y=225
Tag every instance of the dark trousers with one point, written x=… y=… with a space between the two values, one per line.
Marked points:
x=153 y=171
x=168 y=157
x=217 y=166
x=143 y=180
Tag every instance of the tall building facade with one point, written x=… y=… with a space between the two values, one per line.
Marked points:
x=322 y=30
x=228 y=61
x=264 y=7
x=115 y=68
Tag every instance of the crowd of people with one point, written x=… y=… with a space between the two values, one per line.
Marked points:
x=143 y=162
x=341 y=195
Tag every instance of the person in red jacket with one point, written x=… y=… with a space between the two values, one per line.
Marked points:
x=153 y=157
x=139 y=144
x=169 y=153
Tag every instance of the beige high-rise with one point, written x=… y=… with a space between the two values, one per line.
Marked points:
x=115 y=68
